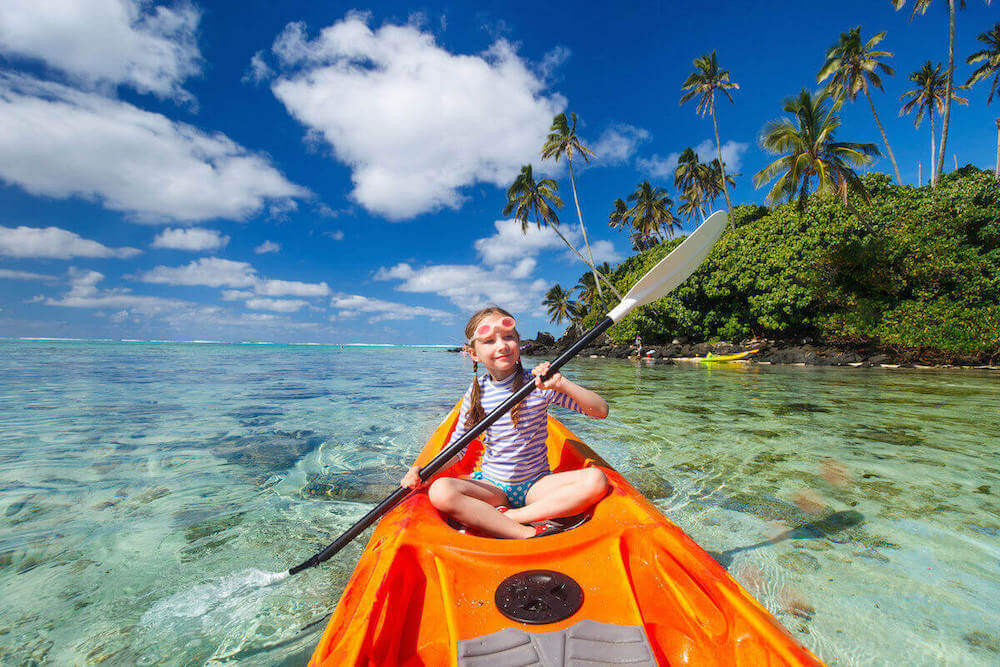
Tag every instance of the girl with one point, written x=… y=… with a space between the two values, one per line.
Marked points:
x=514 y=471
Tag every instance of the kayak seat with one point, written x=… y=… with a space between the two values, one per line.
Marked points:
x=574 y=457
x=565 y=524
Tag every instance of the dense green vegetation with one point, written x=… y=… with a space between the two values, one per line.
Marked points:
x=849 y=259
x=922 y=270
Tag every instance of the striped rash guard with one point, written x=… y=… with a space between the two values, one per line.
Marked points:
x=512 y=454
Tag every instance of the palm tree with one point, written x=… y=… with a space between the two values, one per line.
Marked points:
x=808 y=151
x=853 y=67
x=705 y=80
x=921 y=6
x=991 y=66
x=650 y=212
x=710 y=178
x=559 y=304
x=588 y=293
x=691 y=204
x=527 y=198
x=562 y=141
x=928 y=96
x=686 y=170
x=690 y=176
x=618 y=218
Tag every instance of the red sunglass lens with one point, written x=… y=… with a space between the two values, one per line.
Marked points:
x=505 y=323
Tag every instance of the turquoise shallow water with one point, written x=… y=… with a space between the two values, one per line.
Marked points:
x=149 y=491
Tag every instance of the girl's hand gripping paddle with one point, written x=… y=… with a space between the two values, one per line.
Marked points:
x=670 y=272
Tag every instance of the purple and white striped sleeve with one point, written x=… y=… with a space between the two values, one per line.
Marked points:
x=563 y=401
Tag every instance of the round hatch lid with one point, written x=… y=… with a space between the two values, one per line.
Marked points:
x=538 y=596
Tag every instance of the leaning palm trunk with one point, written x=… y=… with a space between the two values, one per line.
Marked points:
x=996 y=170
x=948 y=88
x=885 y=139
x=598 y=276
x=586 y=241
x=722 y=169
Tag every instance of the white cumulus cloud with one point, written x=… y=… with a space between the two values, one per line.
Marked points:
x=603 y=251
x=468 y=287
x=414 y=122
x=132 y=42
x=618 y=144
x=24 y=275
x=208 y=271
x=84 y=293
x=267 y=246
x=510 y=243
x=59 y=142
x=663 y=167
x=54 y=243
x=377 y=310
x=195 y=239
x=217 y=272
x=276 y=305
x=510 y=258
x=259 y=71
x=290 y=288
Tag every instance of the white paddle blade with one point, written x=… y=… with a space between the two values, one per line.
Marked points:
x=675 y=268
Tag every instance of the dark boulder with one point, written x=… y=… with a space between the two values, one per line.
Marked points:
x=544 y=338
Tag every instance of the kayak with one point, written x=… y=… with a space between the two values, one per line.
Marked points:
x=728 y=357
x=624 y=586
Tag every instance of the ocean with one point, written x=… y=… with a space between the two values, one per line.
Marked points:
x=151 y=494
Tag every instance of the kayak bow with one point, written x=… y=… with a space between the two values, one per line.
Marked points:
x=625 y=586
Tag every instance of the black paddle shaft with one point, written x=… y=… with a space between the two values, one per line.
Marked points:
x=447 y=454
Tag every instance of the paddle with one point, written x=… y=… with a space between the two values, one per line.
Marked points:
x=669 y=272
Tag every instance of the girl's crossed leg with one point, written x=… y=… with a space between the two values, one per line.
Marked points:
x=474 y=503
x=561 y=494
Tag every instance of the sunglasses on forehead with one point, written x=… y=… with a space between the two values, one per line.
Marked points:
x=507 y=323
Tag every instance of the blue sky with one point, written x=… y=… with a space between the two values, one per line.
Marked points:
x=317 y=172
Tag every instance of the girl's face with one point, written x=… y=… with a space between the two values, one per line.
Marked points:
x=499 y=350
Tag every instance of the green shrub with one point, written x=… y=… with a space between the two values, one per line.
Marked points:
x=922 y=270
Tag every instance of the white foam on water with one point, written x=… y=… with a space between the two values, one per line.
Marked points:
x=218 y=602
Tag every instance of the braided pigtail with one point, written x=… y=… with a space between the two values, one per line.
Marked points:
x=476 y=412
x=518 y=383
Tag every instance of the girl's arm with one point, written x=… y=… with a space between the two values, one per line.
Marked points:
x=412 y=477
x=590 y=402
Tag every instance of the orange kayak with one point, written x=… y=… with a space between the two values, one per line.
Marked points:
x=629 y=585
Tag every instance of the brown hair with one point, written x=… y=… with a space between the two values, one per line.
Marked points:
x=476 y=411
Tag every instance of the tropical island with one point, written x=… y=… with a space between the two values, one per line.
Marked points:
x=841 y=268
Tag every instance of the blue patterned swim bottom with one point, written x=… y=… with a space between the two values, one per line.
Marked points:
x=516 y=493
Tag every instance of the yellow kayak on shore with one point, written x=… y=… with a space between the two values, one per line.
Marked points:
x=728 y=357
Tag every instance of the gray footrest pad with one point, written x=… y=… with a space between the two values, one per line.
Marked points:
x=586 y=643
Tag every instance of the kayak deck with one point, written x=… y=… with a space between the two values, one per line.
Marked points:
x=421 y=587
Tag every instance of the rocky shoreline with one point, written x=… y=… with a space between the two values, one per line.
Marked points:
x=800 y=352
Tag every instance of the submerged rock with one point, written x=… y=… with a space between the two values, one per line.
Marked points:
x=799 y=561
x=257 y=415
x=212 y=526
x=651 y=484
x=797 y=408
x=348 y=486
x=266 y=452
